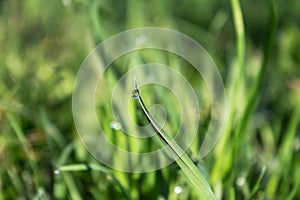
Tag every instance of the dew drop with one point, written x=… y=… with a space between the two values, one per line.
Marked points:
x=115 y=125
x=56 y=171
x=240 y=181
x=135 y=94
x=178 y=189
x=109 y=177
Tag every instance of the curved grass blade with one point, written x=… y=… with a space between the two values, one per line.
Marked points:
x=193 y=174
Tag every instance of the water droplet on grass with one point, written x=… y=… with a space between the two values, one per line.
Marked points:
x=135 y=94
x=240 y=181
x=56 y=171
x=109 y=177
x=178 y=189
x=115 y=125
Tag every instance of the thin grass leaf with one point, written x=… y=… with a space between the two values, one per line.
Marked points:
x=257 y=184
x=95 y=167
x=296 y=187
x=237 y=77
x=64 y=156
x=22 y=139
x=84 y=167
x=255 y=90
x=72 y=187
x=51 y=130
x=192 y=173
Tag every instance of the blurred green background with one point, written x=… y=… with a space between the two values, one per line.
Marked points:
x=42 y=47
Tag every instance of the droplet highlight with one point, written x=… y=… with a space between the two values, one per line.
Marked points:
x=240 y=181
x=56 y=171
x=115 y=125
x=135 y=94
x=178 y=189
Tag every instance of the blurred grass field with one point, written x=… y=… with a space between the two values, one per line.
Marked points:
x=43 y=45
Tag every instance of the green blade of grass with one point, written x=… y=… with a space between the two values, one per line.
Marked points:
x=190 y=170
x=257 y=85
x=72 y=187
x=83 y=167
x=22 y=139
x=257 y=184
x=87 y=167
x=220 y=167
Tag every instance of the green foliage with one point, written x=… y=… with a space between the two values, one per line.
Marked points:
x=43 y=45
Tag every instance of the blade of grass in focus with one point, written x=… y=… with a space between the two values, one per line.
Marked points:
x=192 y=173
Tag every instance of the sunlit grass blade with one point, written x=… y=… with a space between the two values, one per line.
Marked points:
x=83 y=167
x=192 y=173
